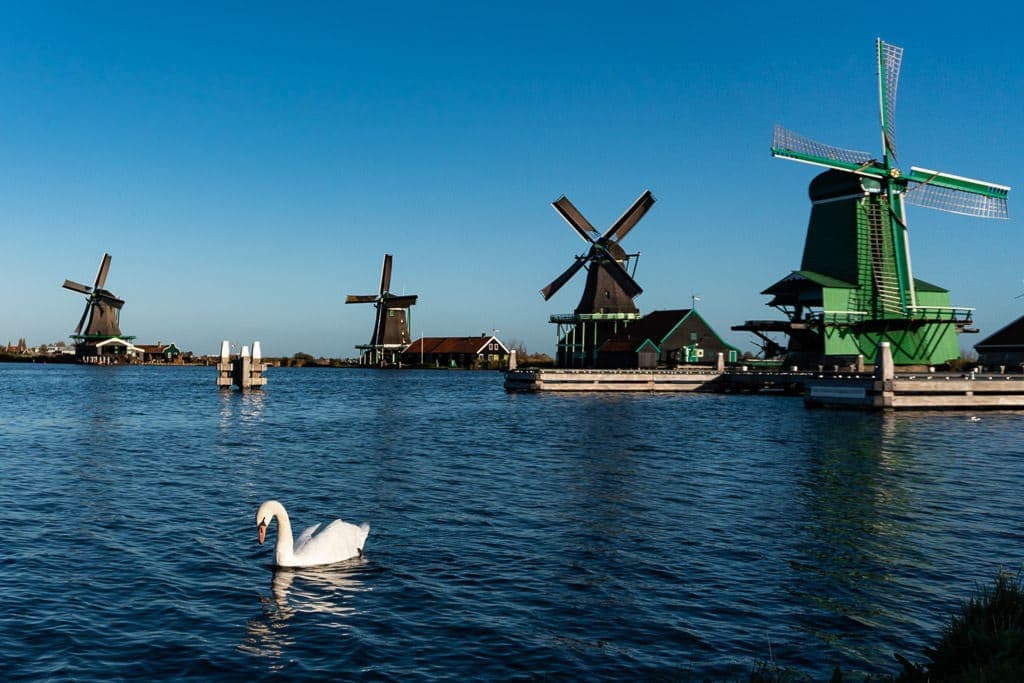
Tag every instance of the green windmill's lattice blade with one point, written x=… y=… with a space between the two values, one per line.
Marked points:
x=890 y=58
x=954 y=194
x=786 y=143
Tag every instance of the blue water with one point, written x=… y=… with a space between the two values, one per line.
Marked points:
x=581 y=536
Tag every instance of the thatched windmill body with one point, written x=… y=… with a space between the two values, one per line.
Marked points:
x=855 y=288
x=607 y=301
x=391 y=324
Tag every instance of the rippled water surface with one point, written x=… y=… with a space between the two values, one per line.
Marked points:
x=583 y=536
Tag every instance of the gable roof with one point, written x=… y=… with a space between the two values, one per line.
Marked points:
x=156 y=348
x=655 y=327
x=439 y=345
x=118 y=341
x=1011 y=335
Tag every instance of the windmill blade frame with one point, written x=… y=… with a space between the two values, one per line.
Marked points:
x=85 y=314
x=957 y=201
x=791 y=145
x=576 y=220
x=890 y=58
x=559 y=282
x=101 y=274
x=630 y=217
x=385 y=275
x=956 y=194
x=77 y=287
x=362 y=298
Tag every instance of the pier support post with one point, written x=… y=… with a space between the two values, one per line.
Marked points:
x=245 y=371
x=885 y=373
x=224 y=366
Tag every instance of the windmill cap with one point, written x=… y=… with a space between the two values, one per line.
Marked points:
x=832 y=184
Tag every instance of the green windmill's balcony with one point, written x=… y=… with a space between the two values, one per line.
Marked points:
x=958 y=315
x=954 y=314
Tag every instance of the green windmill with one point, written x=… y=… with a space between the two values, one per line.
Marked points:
x=855 y=287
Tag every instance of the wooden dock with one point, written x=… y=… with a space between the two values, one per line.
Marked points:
x=536 y=379
x=939 y=391
x=881 y=389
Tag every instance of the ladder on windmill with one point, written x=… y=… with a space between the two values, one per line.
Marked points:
x=883 y=267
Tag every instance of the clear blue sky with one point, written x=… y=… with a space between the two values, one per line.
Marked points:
x=247 y=166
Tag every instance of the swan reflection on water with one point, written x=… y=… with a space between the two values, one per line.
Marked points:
x=319 y=595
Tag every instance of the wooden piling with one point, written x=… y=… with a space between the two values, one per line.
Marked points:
x=244 y=371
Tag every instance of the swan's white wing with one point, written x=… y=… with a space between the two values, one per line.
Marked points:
x=304 y=537
x=333 y=543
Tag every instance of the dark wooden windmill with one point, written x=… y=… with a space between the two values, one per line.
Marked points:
x=607 y=302
x=103 y=313
x=391 y=325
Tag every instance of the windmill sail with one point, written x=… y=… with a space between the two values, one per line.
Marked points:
x=960 y=201
x=631 y=217
x=890 y=58
x=786 y=143
x=575 y=219
x=559 y=281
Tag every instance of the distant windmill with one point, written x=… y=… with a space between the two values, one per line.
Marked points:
x=391 y=324
x=607 y=300
x=102 y=308
x=855 y=288
x=103 y=313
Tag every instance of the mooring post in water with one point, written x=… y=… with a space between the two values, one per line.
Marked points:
x=245 y=371
x=885 y=373
x=720 y=363
x=513 y=362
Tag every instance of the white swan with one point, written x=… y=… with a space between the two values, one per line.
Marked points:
x=315 y=546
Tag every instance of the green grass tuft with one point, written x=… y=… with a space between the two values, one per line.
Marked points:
x=985 y=642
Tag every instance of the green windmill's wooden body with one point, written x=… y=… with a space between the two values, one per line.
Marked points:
x=855 y=287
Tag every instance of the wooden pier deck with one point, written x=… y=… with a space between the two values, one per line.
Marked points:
x=538 y=379
x=882 y=389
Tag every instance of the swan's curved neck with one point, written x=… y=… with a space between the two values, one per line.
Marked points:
x=285 y=548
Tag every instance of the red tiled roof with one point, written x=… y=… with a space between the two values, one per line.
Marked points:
x=437 y=345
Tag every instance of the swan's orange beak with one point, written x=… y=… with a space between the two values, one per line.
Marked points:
x=262 y=528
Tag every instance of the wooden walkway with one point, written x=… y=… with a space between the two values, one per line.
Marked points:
x=882 y=389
